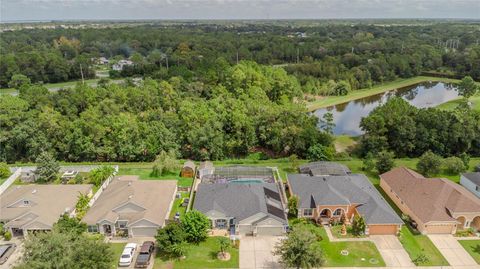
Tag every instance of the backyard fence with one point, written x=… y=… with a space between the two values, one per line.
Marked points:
x=104 y=186
x=16 y=173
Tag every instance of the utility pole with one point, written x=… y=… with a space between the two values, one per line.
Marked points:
x=298 y=55
x=81 y=73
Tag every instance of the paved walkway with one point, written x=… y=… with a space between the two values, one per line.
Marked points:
x=455 y=254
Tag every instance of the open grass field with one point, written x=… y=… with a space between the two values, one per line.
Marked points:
x=358 y=94
x=417 y=244
x=343 y=143
x=117 y=249
x=203 y=255
x=472 y=247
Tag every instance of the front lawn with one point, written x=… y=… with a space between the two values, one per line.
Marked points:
x=203 y=255
x=144 y=174
x=360 y=253
x=117 y=252
x=472 y=247
x=416 y=244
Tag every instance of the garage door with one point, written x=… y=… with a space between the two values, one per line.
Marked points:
x=382 y=229
x=144 y=232
x=244 y=229
x=439 y=229
x=278 y=230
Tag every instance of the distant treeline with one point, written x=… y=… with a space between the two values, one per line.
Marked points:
x=326 y=58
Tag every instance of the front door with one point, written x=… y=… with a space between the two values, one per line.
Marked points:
x=107 y=229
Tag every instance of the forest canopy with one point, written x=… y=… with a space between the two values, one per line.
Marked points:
x=248 y=108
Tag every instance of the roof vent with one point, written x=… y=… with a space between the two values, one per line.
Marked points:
x=34 y=191
x=129 y=183
x=130 y=196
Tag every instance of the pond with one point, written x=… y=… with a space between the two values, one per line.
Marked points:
x=347 y=116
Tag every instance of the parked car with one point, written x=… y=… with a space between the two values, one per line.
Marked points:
x=127 y=255
x=5 y=251
x=146 y=251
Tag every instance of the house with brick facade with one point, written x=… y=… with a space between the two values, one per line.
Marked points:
x=331 y=198
x=437 y=205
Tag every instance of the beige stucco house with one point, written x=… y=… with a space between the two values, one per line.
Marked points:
x=131 y=207
x=437 y=205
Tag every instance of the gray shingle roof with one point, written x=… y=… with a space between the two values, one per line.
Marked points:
x=324 y=168
x=473 y=177
x=344 y=190
x=240 y=200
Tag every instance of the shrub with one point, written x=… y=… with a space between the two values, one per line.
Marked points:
x=170 y=235
x=454 y=165
x=420 y=259
x=358 y=225
x=429 y=164
x=4 y=170
x=293 y=206
x=165 y=163
x=7 y=236
x=368 y=163
x=385 y=162
x=320 y=153
x=48 y=167
x=98 y=175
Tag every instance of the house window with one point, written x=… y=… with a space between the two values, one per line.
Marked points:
x=221 y=223
x=307 y=212
x=122 y=224
x=92 y=229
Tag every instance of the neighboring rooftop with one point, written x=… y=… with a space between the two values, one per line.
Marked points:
x=324 y=169
x=150 y=198
x=38 y=206
x=240 y=200
x=473 y=177
x=431 y=199
x=353 y=189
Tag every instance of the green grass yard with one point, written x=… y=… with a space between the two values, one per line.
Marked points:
x=358 y=94
x=117 y=249
x=417 y=244
x=472 y=247
x=454 y=103
x=144 y=173
x=203 y=255
x=177 y=205
x=361 y=253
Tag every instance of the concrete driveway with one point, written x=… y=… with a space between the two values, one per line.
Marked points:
x=256 y=252
x=139 y=241
x=455 y=254
x=392 y=251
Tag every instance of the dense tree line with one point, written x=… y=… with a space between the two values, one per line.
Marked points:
x=247 y=107
x=360 y=54
x=406 y=130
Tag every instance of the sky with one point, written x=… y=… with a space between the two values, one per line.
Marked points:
x=32 y=10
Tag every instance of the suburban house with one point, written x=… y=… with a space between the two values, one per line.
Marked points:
x=188 y=169
x=242 y=208
x=331 y=199
x=471 y=181
x=131 y=207
x=31 y=208
x=437 y=205
x=121 y=64
x=324 y=168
